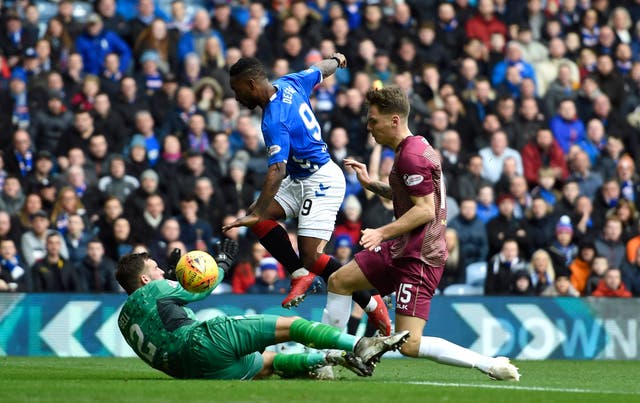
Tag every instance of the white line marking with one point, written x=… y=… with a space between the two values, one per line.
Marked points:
x=515 y=387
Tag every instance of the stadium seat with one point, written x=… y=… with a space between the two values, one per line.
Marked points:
x=475 y=274
x=462 y=289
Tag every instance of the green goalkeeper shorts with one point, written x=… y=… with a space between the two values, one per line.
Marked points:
x=230 y=347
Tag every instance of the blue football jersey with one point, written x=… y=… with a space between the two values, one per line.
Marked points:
x=291 y=131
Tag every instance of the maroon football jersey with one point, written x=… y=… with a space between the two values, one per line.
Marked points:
x=417 y=172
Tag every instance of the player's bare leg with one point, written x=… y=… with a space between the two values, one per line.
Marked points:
x=445 y=352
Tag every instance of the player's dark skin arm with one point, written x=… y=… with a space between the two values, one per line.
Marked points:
x=256 y=212
x=276 y=173
x=329 y=66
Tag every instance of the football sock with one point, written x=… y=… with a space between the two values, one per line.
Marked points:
x=445 y=352
x=318 y=335
x=327 y=265
x=276 y=240
x=295 y=365
x=353 y=324
x=337 y=311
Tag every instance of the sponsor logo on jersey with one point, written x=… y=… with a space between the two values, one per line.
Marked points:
x=172 y=283
x=273 y=150
x=413 y=180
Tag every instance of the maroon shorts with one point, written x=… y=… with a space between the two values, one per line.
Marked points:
x=413 y=281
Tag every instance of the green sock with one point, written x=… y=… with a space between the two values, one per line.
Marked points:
x=296 y=365
x=319 y=335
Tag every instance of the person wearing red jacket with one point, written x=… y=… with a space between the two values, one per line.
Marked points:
x=543 y=152
x=611 y=285
x=485 y=23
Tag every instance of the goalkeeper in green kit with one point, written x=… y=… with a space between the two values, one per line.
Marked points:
x=166 y=334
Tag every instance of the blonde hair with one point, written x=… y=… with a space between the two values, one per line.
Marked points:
x=549 y=270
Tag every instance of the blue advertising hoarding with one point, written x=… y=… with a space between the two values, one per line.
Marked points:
x=81 y=325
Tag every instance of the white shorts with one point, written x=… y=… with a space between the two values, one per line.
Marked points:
x=315 y=200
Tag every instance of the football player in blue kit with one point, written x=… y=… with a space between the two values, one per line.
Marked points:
x=302 y=181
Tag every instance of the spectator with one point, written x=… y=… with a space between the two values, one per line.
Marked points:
x=15 y=275
x=567 y=128
x=505 y=226
x=599 y=266
x=97 y=270
x=543 y=152
x=609 y=244
x=53 y=272
x=521 y=284
x=588 y=181
x=580 y=267
x=243 y=276
x=470 y=181
x=12 y=198
x=147 y=225
x=493 y=157
x=76 y=238
x=485 y=23
x=108 y=122
x=145 y=125
x=631 y=274
x=195 y=233
x=117 y=183
x=128 y=102
x=472 y=235
x=563 y=250
x=541 y=271
x=159 y=247
x=268 y=281
x=513 y=59
x=487 y=208
x=540 y=224
x=212 y=203
x=95 y=43
x=611 y=285
x=67 y=204
x=122 y=241
x=19 y=159
x=33 y=242
x=501 y=269
x=562 y=287
x=77 y=136
x=136 y=158
x=112 y=19
x=48 y=126
x=194 y=40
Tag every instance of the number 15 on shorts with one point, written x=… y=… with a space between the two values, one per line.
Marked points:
x=404 y=296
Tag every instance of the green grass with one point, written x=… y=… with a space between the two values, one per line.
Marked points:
x=25 y=379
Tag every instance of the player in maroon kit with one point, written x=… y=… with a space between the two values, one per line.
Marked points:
x=408 y=255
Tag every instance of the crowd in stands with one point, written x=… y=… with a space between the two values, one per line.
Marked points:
x=122 y=134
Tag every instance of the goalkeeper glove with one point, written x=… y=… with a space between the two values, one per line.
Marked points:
x=225 y=254
x=172 y=261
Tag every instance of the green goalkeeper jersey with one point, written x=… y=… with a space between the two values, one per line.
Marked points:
x=156 y=324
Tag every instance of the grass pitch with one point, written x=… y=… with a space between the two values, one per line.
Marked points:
x=28 y=379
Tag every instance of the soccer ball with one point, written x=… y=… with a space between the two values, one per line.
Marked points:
x=197 y=271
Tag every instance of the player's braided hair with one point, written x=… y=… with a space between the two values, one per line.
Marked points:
x=389 y=100
x=248 y=67
x=129 y=269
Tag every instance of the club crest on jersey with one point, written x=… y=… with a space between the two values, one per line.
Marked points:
x=412 y=180
x=172 y=284
x=273 y=150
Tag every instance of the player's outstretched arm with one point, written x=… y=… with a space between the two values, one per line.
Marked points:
x=272 y=181
x=376 y=187
x=329 y=66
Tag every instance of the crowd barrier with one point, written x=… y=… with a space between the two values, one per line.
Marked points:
x=536 y=328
